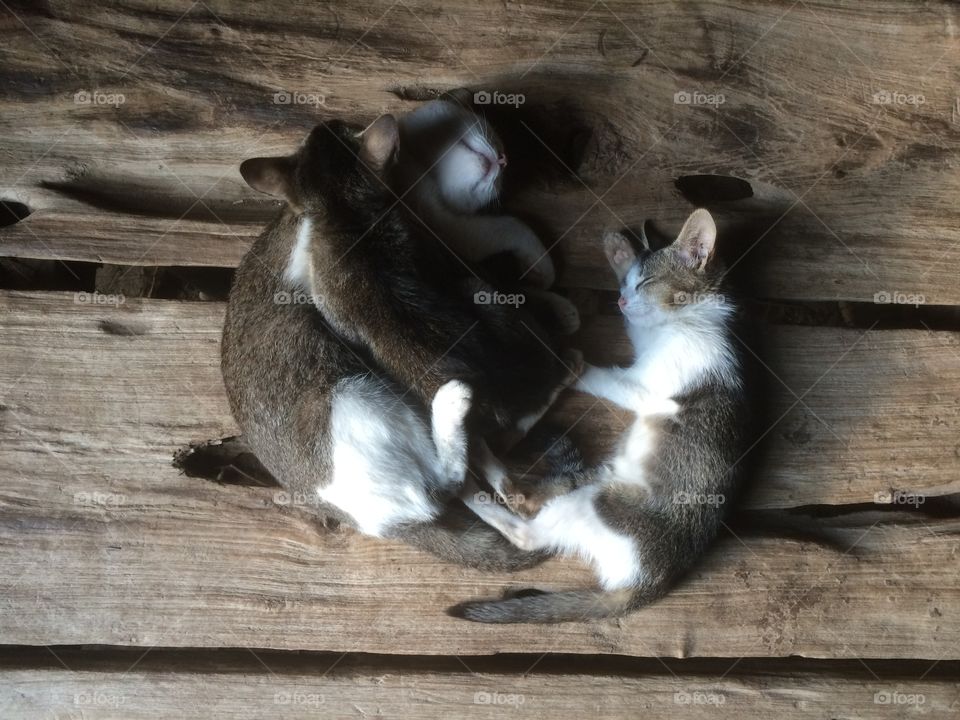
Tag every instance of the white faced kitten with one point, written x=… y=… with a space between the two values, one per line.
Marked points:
x=644 y=516
x=452 y=164
x=450 y=172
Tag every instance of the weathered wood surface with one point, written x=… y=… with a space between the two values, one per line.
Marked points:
x=102 y=541
x=173 y=567
x=869 y=186
x=111 y=392
x=268 y=685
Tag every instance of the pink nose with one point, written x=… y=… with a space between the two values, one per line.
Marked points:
x=622 y=302
x=502 y=161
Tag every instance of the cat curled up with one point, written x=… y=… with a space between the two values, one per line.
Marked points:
x=450 y=169
x=649 y=511
x=451 y=166
x=354 y=371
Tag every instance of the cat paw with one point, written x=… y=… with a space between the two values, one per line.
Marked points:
x=451 y=404
x=572 y=359
x=567 y=316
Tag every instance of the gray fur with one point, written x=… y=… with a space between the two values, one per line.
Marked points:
x=284 y=363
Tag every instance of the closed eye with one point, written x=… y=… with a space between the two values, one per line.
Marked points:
x=643 y=282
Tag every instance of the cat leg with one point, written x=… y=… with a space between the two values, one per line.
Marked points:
x=547 y=529
x=559 y=314
x=493 y=470
x=573 y=361
x=610 y=384
x=513 y=527
x=478 y=237
x=449 y=409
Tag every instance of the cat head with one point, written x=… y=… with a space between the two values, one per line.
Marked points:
x=334 y=161
x=447 y=141
x=678 y=279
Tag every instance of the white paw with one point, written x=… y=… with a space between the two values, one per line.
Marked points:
x=451 y=404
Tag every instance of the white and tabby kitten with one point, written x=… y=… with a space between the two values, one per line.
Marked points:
x=645 y=515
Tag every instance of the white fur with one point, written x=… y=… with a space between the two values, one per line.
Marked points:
x=468 y=172
x=568 y=525
x=385 y=462
x=297 y=272
x=463 y=180
x=677 y=347
x=449 y=410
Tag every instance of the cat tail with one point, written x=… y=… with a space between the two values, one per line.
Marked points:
x=458 y=536
x=536 y=607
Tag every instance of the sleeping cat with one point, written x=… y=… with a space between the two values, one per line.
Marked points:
x=645 y=515
x=389 y=288
x=316 y=408
x=449 y=173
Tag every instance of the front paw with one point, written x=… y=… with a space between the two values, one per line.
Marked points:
x=572 y=360
x=567 y=317
x=451 y=404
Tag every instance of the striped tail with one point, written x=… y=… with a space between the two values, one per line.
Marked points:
x=557 y=607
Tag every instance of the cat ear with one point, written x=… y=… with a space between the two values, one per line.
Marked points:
x=644 y=240
x=271 y=175
x=619 y=253
x=695 y=243
x=379 y=142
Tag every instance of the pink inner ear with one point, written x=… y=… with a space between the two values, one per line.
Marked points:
x=691 y=256
x=694 y=252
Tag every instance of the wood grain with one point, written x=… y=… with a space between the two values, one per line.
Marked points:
x=166 y=566
x=268 y=685
x=112 y=392
x=858 y=193
x=102 y=541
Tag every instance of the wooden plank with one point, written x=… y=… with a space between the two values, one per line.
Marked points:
x=268 y=685
x=102 y=541
x=170 y=566
x=875 y=181
x=878 y=411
